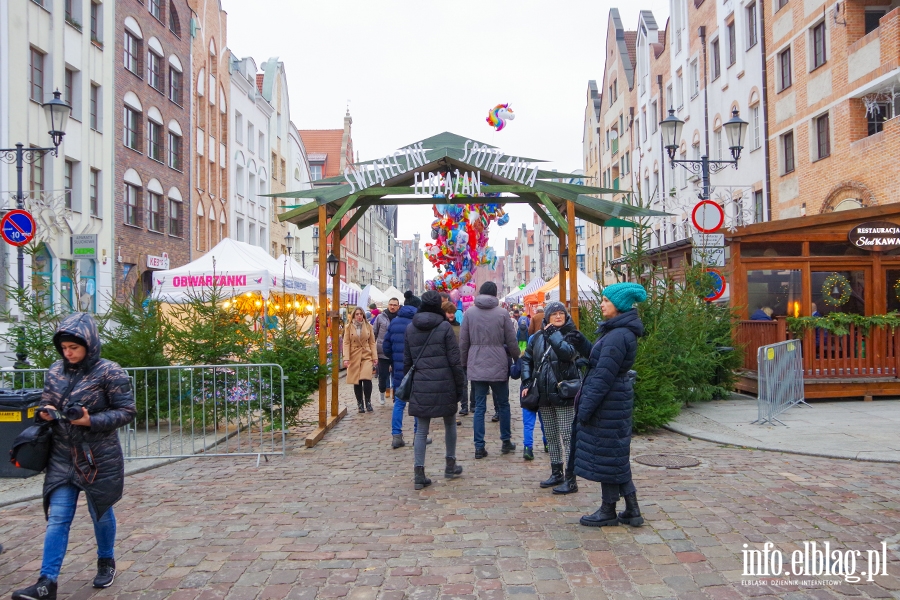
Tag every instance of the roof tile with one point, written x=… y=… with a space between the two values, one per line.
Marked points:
x=327 y=142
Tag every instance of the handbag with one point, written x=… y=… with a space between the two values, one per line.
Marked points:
x=568 y=388
x=529 y=398
x=31 y=448
x=404 y=390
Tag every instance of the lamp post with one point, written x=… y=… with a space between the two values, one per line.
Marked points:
x=333 y=263
x=57 y=112
x=735 y=128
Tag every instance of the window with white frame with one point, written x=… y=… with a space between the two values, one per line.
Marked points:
x=695 y=79
x=752 y=36
x=755 y=127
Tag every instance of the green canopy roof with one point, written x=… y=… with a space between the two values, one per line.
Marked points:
x=446 y=152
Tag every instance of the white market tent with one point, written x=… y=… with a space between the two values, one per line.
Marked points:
x=516 y=296
x=587 y=289
x=393 y=292
x=236 y=268
x=295 y=269
x=371 y=294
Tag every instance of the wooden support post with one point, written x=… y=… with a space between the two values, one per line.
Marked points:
x=336 y=357
x=315 y=436
x=573 y=262
x=562 y=269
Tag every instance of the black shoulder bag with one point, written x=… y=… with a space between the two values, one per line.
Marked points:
x=530 y=396
x=404 y=390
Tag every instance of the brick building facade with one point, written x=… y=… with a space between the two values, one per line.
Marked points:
x=833 y=86
x=210 y=96
x=152 y=125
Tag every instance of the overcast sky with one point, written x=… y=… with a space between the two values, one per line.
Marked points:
x=414 y=68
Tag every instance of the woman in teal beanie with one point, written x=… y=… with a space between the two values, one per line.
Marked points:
x=605 y=405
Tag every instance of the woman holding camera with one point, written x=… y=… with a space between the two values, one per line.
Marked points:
x=86 y=399
x=550 y=364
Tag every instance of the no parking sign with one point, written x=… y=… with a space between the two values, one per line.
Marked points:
x=17 y=227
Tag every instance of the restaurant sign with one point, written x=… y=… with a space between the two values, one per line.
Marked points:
x=878 y=236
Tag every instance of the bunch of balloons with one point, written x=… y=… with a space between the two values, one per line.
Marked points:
x=499 y=115
x=460 y=234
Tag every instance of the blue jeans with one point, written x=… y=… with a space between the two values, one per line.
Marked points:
x=500 y=392
x=62 y=510
x=528 y=419
x=397 y=418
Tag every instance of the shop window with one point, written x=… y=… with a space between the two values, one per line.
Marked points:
x=839 y=291
x=777 y=290
x=87 y=285
x=835 y=249
x=893 y=290
x=66 y=277
x=42 y=275
x=771 y=249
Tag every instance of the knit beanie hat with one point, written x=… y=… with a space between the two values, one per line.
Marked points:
x=431 y=302
x=625 y=295
x=411 y=300
x=68 y=337
x=553 y=307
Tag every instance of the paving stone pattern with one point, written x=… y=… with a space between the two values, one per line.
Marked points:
x=342 y=520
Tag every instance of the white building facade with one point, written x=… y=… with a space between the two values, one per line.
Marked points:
x=249 y=115
x=52 y=45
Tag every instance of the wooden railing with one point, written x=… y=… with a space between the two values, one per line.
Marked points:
x=750 y=335
x=860 y=353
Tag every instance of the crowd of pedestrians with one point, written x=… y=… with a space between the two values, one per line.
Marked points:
x=582 y=394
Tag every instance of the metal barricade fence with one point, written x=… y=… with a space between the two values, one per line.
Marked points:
x=780 y=376
x=196 y=410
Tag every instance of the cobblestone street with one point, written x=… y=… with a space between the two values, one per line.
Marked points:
x=342 y=520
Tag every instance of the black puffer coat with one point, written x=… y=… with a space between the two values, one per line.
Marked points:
x=439 y=382
x=104 y=389
x=566 y=344
x=604 y=407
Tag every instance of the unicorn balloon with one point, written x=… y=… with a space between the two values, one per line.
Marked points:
x=499 y=115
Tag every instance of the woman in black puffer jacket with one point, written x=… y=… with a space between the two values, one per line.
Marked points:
x=86 y=455
x=605 y=404
x=563 y=345
x=439 y=383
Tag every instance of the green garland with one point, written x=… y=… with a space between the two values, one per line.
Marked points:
x=839 y=323
x=836 y=280
x=897 y=289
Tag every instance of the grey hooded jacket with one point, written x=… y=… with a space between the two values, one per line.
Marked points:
x=485 y=335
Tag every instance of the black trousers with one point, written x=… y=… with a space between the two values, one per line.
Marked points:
x=363 y=387
x=384 y=374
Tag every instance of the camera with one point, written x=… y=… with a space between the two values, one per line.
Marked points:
x=73 y=411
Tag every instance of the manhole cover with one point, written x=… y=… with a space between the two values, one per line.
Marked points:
x=669 y=461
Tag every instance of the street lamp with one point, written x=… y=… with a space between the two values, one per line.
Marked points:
x=57 y=112
x=332 y=263
x=289 y=242
x=565 y=261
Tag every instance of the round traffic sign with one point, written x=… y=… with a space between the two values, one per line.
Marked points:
x=17 y=227
x=707 y=216
x=718 y=285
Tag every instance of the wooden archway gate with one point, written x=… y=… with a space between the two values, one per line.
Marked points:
x=337 y=203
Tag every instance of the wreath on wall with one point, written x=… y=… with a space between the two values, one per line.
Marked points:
x=836 y=290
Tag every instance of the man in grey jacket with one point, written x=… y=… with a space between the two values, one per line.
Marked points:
x=487 y=338
x=382 y=322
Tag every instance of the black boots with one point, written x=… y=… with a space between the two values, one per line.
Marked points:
x=360 y=406
x=398 y=441
x=568 y=486
x=604 y=516
x=420 y=480
x=369 y=406
x=507 y=447
x=44 y=589
x=556 y=476
x=632 y=513
x=481 y=452
x=452 y=469
x=106 y=572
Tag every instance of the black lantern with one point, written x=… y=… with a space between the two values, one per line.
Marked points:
x=57 y=113
x=671 y=133
x=289 y=242
x=735 y=129
x=565 y=261
x=333 y=264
